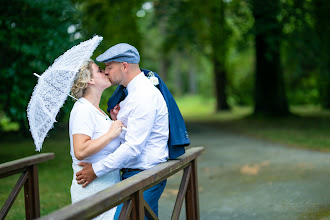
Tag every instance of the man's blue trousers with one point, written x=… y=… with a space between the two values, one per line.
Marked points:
x=151 y=195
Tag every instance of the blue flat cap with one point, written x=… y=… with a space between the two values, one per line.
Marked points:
x=122 y=52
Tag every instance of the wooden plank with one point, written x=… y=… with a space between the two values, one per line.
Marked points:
x=126 y=210
x=13 y=195
x=20 y=164
x=122 y=191
x=28 y=198
x=13 y=172
x=148 y=212
x=182 y=192
x=190 y=212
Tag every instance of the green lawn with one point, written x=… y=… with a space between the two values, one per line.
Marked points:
x=309 y=129
x=55 y=176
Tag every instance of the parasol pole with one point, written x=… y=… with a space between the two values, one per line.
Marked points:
x=68 y=94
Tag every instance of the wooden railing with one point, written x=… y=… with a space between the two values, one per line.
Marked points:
x=130 y=192
x=28 y=166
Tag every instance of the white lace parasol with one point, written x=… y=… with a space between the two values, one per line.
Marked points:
x=53 y=88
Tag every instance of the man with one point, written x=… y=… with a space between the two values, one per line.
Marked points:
x=145 y=114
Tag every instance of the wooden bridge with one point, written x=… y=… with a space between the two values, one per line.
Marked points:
x=129 y=191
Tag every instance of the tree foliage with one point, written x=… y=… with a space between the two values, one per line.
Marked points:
x=207 y=47
x=32 y=34
x=114 y=20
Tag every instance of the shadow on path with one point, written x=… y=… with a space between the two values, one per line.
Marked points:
x=245 y=178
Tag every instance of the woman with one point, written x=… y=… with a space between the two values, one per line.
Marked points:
x=93 y=135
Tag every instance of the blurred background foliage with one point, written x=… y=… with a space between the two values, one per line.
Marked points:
x=268 y=55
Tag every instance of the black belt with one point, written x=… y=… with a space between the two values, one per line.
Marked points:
x=126 y=170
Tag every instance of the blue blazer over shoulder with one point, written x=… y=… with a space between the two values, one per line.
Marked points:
x=178 y=137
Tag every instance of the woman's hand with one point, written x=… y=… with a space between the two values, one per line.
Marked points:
x=116 y=128
x=114 y=112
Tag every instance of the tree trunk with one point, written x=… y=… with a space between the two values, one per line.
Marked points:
x=220 y=86
x=219 y=42
x=270 y=98
x=192 y=77
x=164 y=63
x=322 y=16
x=178 y=84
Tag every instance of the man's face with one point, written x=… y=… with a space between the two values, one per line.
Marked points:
x=114 y=72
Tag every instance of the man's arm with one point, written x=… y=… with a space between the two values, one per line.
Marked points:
x=139 y=125
x=140 y=122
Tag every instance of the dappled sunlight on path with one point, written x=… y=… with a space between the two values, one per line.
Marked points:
x=253 y=169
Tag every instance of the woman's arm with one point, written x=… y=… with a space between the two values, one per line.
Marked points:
x=84 y=147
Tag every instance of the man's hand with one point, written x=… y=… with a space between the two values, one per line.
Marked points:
x=114 y=112
x=86 y=175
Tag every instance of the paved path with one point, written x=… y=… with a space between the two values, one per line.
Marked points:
x=244 y=178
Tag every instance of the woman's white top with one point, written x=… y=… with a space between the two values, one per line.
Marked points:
x=86 y=119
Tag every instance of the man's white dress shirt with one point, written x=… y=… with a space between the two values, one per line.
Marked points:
x=145 y=114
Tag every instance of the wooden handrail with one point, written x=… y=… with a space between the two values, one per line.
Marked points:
x=18 y=166
x=29 y=179
x=132 y=188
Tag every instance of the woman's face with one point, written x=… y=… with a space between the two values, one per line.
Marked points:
x=99 y=77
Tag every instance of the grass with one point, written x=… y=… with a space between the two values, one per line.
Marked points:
x=55 y=176
x=308 y=128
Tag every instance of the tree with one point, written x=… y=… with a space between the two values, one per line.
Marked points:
x=32 y=34
x=270 y=97
x=321 y=15
x=175 y=23
x=219 y=36
x=188 y=33
x=114 y=20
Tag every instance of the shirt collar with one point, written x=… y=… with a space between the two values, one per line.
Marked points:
x=82 y=100
x=134 y=82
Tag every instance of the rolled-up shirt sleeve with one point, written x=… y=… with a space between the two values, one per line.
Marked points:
x=140 y=122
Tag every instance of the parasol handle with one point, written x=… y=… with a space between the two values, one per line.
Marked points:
x=68 y=94
x=36 y=75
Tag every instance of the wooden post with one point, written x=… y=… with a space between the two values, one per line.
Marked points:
x=31 y=193
x=182 y=192
x=126 y=210
x=35 y=191
x=192 y=204
x=195 y=179
x=138 y=205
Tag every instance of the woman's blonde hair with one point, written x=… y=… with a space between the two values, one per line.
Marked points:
x=82 y=78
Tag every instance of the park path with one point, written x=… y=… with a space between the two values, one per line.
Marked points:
x=245 y=178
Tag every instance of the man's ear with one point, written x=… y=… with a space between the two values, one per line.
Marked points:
x=125 y=66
